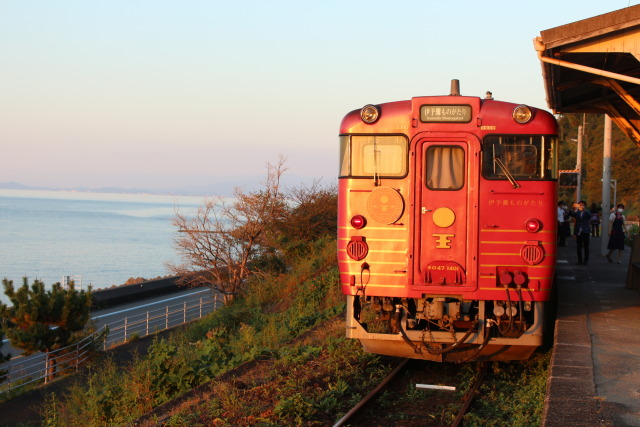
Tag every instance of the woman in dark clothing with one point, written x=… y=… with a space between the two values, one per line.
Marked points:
x=616 y=233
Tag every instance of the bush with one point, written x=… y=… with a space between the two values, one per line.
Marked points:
x=275 y=308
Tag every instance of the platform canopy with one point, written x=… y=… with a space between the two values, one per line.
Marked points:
x=593 y=66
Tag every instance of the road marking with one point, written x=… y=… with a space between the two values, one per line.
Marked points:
x=146 y=305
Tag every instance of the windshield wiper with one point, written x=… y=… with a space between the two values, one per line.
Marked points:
x=510 y=177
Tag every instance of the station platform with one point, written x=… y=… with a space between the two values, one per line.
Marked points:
x=595 y=368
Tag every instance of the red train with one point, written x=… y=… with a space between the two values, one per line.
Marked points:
x=447 y=226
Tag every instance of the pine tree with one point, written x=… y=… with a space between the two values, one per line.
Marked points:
x=41 y=320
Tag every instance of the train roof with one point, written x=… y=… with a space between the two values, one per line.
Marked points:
x=396 y=116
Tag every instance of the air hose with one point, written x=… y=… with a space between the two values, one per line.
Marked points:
x=439 y=351
x=399 y=309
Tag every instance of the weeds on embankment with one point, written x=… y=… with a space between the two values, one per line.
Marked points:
x=274 y=309
x=300 y=378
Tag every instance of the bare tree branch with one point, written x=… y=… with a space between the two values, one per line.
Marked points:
x=219 y=242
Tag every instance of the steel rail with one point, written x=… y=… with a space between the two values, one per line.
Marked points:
x=369 y=396
x=471 y=394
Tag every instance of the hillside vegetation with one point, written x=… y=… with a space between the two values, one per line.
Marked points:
x=276 y=353
x=625 y=162
x=274 y=310
x=286 y=337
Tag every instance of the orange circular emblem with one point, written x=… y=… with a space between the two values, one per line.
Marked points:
x=444 y=217
x=385 y=205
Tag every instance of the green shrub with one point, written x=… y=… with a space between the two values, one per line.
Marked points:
x=275 y=308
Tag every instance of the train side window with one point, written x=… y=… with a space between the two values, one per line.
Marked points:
x=345 y=155
x=444 y=168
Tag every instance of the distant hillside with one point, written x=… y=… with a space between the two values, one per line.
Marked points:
x=18 y=186
x=223 y=186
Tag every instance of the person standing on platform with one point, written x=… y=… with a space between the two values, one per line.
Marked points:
x=617 y=232
x=562 y=219
x=595 y=223
x=566 y=225
x=582 y=231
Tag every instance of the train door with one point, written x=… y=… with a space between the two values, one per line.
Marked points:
x=443 y=237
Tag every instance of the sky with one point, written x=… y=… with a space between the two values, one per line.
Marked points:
x=166 y=95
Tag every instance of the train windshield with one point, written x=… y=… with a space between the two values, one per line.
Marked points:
x=373 y=156
x=520 y=157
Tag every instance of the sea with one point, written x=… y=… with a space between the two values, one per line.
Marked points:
x=96 y=239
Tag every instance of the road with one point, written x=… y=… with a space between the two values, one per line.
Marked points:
x=139 y=318
x=147 y=316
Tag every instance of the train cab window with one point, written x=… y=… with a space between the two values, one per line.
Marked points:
x=520 y=157
x=373 y=156
x=444 y=168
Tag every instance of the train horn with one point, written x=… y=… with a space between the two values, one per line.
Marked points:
x=455 y=87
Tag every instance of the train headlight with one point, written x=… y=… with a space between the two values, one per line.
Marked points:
x=522 y=114
x=369 y=113
x=533 y=225
x=358 y=222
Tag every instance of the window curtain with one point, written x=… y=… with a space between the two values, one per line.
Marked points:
x=445 y=168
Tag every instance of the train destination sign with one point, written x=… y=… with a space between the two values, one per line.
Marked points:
x=445 y=113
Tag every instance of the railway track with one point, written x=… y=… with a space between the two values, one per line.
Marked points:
x=373 y=394
x=469 y=396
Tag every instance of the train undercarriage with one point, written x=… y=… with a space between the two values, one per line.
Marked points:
x=446 y=329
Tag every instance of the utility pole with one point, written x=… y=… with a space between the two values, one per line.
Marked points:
x=581 y=131
x=579 y=165
x=606 y=184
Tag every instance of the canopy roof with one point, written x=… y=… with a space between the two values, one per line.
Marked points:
x=593 y=66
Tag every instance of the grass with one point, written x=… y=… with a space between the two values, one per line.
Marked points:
x=512 y=394
x=304 y=372
x=274 y=310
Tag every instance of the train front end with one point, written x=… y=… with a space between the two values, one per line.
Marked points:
x=447 y=227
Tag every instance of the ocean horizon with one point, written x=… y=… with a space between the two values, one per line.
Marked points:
x=95 y=239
